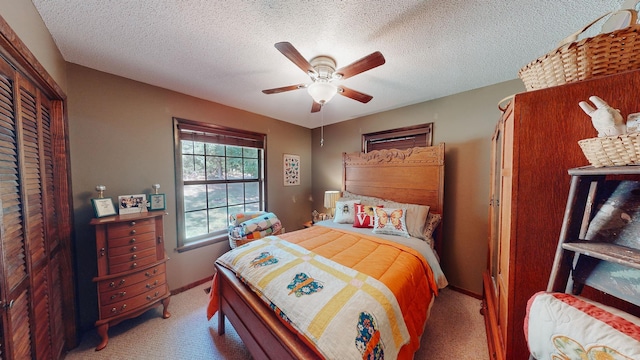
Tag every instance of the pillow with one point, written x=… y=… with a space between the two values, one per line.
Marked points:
x=345 y=211
x=364 y=216
x=390 y=221
x=416 y=214
x=433 y=220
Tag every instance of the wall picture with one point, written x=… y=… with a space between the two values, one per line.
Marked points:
x=291 y=170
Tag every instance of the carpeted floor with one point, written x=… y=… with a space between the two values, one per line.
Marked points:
x=454 y=331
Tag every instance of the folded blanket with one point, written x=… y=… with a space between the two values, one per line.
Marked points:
x=239 y=218
x=564 y=326
x=257 y=227
x=345 y=313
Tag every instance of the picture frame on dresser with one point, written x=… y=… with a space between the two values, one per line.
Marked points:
x=131 y=204
x=103 y=207
x=157 y=202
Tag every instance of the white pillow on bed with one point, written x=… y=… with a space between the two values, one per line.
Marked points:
x=390 y=221
x=416 y=215
x=345 y=211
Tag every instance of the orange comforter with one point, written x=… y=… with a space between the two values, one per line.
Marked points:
x=400 y=268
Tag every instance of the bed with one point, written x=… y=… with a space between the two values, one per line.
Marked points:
x=413 y=178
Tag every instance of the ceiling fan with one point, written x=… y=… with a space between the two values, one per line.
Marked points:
x=322 y=71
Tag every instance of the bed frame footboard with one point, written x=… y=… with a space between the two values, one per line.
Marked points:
x=264 y=335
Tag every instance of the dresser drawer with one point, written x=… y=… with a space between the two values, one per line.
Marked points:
x=124 y=306
x=132 y=239
x=128 y=264
x=126 y=228
x=131 y=253
x=119 y=283
x=127 y=292
x=132 y=248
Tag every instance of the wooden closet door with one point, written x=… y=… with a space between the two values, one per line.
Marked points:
x=31 y=286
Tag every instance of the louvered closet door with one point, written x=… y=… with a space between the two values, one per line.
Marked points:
x=30 y=289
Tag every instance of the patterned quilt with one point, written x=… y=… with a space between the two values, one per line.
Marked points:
x=403 y=270
x=345 y=313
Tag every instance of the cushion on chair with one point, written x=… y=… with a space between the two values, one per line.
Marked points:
x=559 y=325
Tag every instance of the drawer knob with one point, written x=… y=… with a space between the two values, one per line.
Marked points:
x=133 y=232
x=102 y=251
x=132 y=240
x=116 y=295
x=133 y=223
x=134 y=256
x=121 y=282
x=134 y=248
x=155 y=283
x=134 y=265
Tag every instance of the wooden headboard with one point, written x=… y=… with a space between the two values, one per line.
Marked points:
x=414 y=176
x=411 y=176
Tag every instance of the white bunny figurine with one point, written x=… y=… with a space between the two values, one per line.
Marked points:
x=607 y=120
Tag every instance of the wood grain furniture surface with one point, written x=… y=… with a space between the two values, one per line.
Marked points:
x=534 y=145
x=411 y=176
x=131 y=268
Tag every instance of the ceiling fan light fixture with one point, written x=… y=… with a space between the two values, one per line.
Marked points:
x=322 y=91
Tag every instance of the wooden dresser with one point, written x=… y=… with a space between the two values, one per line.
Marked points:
x=534 y=145
x=131 y=268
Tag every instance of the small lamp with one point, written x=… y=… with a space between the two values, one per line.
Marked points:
x=330 y=198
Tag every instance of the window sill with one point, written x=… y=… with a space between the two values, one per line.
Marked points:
x=202 y=243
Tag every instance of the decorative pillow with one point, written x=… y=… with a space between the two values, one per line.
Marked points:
x=364 y=216
x=390 y=221
x=433 y=220
x=416 y=214
x=345 y=211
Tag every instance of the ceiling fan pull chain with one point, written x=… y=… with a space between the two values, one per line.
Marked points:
x=321 y=127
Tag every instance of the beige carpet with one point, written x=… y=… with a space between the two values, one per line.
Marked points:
x=454 y=331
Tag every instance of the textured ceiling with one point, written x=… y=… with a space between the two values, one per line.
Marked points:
x=223 y=51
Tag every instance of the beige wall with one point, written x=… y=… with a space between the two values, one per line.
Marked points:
x=23 y=18
x=121 y=136
x=465 y=123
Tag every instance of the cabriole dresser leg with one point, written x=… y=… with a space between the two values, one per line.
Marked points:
x=102 y=331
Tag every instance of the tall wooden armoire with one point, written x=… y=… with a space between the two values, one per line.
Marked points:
x=535 y=143
x=37 y=311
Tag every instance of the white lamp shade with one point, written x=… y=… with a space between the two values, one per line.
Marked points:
x=322 y=91
x=330 y=198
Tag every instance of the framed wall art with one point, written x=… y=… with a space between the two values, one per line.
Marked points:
x=103 y=207
x=130 y=204
x=291 y=168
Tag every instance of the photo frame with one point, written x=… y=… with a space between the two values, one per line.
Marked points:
x=103 y=207
x=291 y=169
x=131 y=204
x=157 y=202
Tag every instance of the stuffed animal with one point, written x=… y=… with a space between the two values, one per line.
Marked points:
x=607 y=120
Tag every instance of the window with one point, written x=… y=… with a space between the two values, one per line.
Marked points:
x=219 y=171
x=402 y=138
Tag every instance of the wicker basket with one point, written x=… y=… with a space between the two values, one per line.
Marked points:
x=612 y=150
x=601 y=55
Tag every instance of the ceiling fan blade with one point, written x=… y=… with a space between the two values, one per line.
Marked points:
x=315 y=107
x=292 y=54
x=284 y=88
x=355 y=95
x=366 y=63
